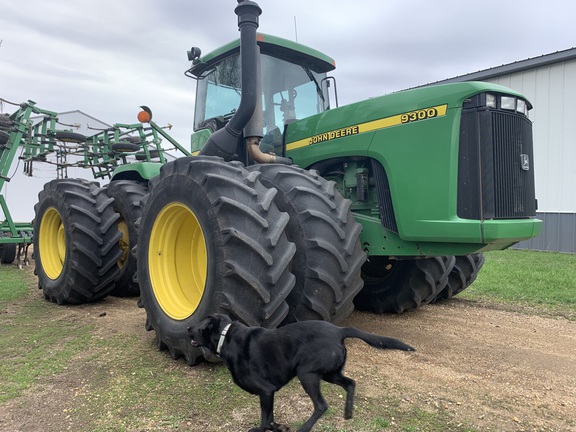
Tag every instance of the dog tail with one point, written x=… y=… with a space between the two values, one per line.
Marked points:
x=376 y=341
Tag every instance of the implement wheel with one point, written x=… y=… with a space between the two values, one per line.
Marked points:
x=211 y=241
x=4 y=137
x=5 y=121
x=328 y=254
x=127 y=195
x=402 y=285
x=70 y=137
x=76 y=241
x=7 y=253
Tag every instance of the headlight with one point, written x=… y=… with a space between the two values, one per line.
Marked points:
x=508 y=103
x=498 y=101
x=522 y=107
x=490 y=100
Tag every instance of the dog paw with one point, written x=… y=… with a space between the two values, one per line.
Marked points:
x=274 y=427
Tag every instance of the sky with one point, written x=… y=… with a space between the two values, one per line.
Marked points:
x=108 y=57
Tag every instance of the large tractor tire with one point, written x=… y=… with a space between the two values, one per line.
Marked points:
x=401 y=285
x=328 y=256
x=76 y=241
x=211 y=241
x=127 y=195
x=462 y=275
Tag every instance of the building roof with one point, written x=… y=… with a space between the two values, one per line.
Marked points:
x=518 y=66
x=79 y=120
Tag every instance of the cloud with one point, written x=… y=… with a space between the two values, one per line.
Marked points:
x=107 y=58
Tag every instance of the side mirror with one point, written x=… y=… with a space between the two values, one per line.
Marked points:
x=194 y=54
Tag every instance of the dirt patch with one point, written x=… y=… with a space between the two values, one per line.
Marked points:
x=498 y=370
x=491 y=369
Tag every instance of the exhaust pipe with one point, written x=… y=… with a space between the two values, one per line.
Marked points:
x=223 y=142
x=253 y=144
x=253 y=131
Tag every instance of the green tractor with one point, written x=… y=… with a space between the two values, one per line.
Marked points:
x=292 y=209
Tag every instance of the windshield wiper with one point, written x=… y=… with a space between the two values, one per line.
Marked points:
x=313 y=79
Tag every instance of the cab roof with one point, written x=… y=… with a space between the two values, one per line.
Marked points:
x=271 y=45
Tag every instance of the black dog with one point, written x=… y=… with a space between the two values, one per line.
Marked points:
x=262 y=361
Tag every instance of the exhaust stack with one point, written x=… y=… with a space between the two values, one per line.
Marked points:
x=223 y=142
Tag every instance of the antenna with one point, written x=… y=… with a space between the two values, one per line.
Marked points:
x=295 y=28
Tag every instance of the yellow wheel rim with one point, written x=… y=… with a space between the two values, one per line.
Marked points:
x=124 y=243
x=177 y=261
x=52 y=243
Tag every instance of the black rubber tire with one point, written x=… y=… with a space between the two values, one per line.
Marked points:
x=127 y=195
x=71 y=137
x=5 y=121
x=143 y=156
x=132 y=139
x=125 y=147
x=242 y=266
x=4 y=137
x=328 y=256
x=462 y=275
x=402 y=285
x=7 y=253
x=76 y=241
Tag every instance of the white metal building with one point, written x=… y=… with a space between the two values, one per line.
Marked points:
x=549 y=83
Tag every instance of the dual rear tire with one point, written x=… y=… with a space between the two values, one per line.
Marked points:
x=76 y=241
x=268 y=245
x=127 y=196
x=462 y=275
x=397 y=286
x=328 y=255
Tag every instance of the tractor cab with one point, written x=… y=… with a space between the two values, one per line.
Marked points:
x=294 y=86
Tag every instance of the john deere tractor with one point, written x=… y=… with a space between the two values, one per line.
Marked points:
x=291 y=208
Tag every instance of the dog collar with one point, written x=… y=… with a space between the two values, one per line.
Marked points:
x=222 y=337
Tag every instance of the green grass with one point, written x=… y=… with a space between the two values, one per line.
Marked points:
x=533 y=279
x=33 y=348
x=13 y=284
x=33 y=343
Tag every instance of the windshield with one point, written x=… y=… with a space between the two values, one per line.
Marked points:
x=289 y=92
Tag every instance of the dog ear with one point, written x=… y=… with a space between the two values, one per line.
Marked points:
x=222 y=319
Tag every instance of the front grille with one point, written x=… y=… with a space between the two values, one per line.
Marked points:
x=513 y=167
x=495 y=167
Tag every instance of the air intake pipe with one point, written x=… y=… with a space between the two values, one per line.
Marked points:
x=223 y=142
